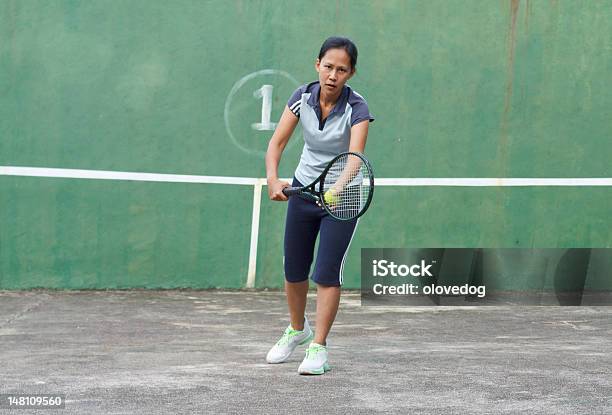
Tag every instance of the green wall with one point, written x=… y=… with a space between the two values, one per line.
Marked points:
x=459 y=89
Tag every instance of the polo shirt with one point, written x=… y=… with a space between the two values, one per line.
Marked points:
x=325 y=139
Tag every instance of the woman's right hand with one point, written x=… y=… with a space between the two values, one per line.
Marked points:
x=275 y=189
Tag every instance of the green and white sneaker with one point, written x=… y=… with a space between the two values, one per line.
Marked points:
x=281 y=351
x=315 y=362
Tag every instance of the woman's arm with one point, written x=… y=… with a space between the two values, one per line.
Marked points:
x=277 y=144
x=359 y=135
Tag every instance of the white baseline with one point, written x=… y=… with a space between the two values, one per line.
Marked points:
x=186 y=178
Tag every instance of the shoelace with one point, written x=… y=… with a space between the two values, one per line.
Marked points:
x=313 y=350
x=287 y=336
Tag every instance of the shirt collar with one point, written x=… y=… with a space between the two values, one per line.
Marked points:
x=340 y=106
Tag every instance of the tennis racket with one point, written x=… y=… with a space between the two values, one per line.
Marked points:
x=344 y=189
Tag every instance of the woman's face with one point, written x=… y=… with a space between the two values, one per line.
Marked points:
x=334 y=70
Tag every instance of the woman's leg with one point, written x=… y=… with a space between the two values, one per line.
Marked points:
x=301 y=230
x=334 y=242
x=328 y=299
x=296 y=300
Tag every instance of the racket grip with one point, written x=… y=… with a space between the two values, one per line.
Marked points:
x=290 y=191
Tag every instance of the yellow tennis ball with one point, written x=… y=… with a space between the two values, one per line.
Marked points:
x=330 y=198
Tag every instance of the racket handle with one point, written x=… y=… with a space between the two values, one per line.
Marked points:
x=290 y=191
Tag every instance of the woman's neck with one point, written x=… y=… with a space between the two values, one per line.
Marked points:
x=328 y=100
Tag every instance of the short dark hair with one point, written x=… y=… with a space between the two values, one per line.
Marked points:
x=336 y=42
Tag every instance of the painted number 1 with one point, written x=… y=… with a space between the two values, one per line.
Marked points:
x=265 y=93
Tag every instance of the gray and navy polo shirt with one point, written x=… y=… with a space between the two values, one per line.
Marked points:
x=325 y=139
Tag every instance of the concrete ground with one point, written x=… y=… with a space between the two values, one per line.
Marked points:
x=167 y=352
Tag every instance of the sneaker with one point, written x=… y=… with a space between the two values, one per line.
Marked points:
x=315 y=362
x=281 y=351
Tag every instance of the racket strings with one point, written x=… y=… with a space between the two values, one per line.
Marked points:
x=349 y=182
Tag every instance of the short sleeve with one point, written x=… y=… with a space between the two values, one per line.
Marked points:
x=361 y=112
x=295 y=101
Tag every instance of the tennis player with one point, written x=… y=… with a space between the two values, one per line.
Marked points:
x=334 y=119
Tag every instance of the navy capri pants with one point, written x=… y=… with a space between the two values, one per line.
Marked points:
x=306 y=220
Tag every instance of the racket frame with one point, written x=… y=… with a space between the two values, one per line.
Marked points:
x=315 y=192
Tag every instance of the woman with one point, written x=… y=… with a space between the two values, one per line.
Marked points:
x=334 y=119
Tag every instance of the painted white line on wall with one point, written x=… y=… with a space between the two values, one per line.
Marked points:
x=185 y=178
x=250 y=283
x=122 y=175
x=495 y=182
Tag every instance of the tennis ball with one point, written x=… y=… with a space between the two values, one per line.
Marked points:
x=330 y=198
